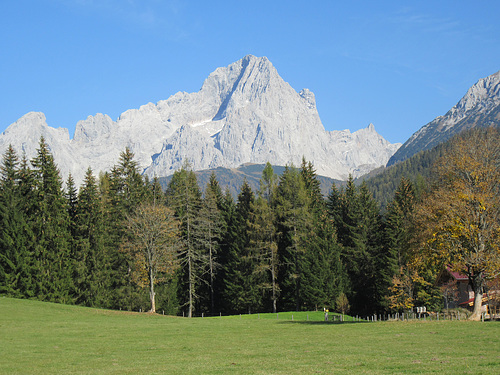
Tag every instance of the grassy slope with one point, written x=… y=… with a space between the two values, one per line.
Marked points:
x=40 y=338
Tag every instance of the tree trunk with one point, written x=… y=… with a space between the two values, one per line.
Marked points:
x=152 y=291
x=478 y=301
x=477 y=286
x=190 y=312
x=274 y=288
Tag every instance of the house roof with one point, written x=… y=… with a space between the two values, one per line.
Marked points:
x=457 y=275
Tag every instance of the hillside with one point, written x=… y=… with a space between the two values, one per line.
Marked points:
x=480 y=107
x=233 y=178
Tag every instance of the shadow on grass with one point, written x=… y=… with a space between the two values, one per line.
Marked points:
x=319 y=322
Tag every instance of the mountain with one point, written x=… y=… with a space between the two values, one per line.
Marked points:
x=243 y=113
x=479 y=107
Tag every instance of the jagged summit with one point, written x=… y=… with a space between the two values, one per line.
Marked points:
x=243 y=113
x=480 y=106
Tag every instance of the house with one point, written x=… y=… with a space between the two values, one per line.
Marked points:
x=458 y=293
x=455 y=288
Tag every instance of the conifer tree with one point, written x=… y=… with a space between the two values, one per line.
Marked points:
x=184 y=197
x=71 y=203
x=359 y=230
x=124 y=191
x=14 y=231
x=263 y=248
x=93 y=259
x=263 y=237
x=324 y=274
x=228 y=237
x=398 y=236
x=369 y=251
x=208 y=231
x=240 y=287
x=294 y=223
x=213 y=185
x=52 y=258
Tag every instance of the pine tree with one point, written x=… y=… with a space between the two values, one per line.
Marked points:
x=121 y=191
x=15 y=277
x=208 y=233
x=369 y=245
x=324 y=274
x=399 y=223
x=52 y=257
x=359 y=230
x=228 y=237
x=184 y=197
x=294 y=222
x=93 y=259
x=263 y=248
x=263 y=238
x=240 y=287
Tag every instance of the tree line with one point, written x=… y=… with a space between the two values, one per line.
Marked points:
x=119 y=241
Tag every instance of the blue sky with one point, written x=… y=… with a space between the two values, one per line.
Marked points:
x=396 y=64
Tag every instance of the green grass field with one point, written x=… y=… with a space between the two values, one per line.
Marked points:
x=44 y=338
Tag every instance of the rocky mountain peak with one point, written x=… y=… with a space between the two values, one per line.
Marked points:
x=485 y=93
x=243 y=113
x=480 y=106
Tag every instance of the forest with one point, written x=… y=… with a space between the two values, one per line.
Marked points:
x=120 y=241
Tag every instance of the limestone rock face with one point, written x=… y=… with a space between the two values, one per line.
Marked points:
x=243 y=113
x=480 y=106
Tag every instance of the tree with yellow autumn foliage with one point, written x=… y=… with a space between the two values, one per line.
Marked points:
x=458 y=220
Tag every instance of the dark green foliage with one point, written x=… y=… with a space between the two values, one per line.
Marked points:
x=228 y=235
x=184 y=197
x=288 y=248
x=324 y=274
x=122 y=191
x=416 y=169
x=240 y=288
x=399 y=226
x=295 y=222
x=15 y=276
x=263 y=238
x=359 y=229
x=51 y=257
x=208 y=228
x=93 y=272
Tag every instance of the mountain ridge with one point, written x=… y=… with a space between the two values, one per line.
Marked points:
x=244 y=112
x=480 y=106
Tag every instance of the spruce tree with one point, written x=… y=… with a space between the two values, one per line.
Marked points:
x=228 y=237
x=51 y=254
x=240 y=287
x=93 y=259
x=184 y=197
x=359 y=230
x=263 y=248
x=324 y=275
x=208 y=232
x=15 y=277
x=123 y=190
x=294 y=224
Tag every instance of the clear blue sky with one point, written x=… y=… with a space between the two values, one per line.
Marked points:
x=396 y=64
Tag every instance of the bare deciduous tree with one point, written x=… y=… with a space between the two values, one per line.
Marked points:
x=153 y=233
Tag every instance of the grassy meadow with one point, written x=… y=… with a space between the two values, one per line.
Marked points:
x=45 y=338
